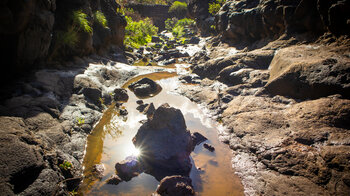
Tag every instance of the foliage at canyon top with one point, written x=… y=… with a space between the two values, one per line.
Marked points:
x=139 y=30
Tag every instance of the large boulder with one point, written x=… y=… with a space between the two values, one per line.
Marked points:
x=309 y=71
x=175 y=185
x=145 y=88
x=165 y=141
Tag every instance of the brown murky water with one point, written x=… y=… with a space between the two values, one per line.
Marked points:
x=111 y=142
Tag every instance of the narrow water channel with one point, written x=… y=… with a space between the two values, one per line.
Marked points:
x=111 y=142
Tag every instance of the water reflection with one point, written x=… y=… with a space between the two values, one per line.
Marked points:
x=111 y=142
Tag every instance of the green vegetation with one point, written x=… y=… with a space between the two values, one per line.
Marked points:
x=170 y=23
x=73 y=193
x=102 y=101
x=67 y=38
x=80 y=121
x=159 y=2
x=138 y=33
x=177 y=27
x=80 y=20
x=66 y=165
x=215 y=7
x=125 y=11
x=178 y=9
x=101 y=19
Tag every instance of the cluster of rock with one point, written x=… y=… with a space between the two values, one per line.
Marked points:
x=162 y=50
x=287 y=108
x=44 y=125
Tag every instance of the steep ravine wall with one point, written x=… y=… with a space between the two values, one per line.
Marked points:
x=252 y=20
x=158 y=13
x=29 y=30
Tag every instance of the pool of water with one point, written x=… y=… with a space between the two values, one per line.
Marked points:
x=111 y=142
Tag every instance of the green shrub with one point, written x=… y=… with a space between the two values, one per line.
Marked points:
x=125 y=11
x=170 y=23
x=215 y=7
x=178 y=9
x=178 y=31
x=177 y=27
x=185 y=22
x=101 y=19
x=80 y=20
x=138 y=33
x=67 y=38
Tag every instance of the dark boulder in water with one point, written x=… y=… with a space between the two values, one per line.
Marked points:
x=165 y=142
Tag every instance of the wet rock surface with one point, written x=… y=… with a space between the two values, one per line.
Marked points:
x=128 y=168
x=145 y=87
x=114 y=180
x=175 y=185
x=120 y=95
x=197 y=138
x=165 y=142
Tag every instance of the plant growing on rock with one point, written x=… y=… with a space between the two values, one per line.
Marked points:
x=66 y=165
x=67 y=38
x=101 y=19
x=80 y=20
x=80 y=121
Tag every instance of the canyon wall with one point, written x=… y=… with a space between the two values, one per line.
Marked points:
x=29 y=31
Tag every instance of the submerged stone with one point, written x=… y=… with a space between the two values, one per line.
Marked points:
x=128 y=168
x=114 y=179
x=175 y=185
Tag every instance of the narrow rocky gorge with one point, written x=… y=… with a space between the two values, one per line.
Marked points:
x=275 y=74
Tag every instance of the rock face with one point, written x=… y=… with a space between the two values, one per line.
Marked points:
x=285 y=107
x=252 y=20
x=199 y=10
x=30 y=31
x=309 y=71
x=145 y=88
x=158 y=13
x=175 y=185
x=165 y=141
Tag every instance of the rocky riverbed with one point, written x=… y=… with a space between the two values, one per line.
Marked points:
x=279 y=84
x=287 y=110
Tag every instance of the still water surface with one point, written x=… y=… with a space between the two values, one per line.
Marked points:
x=111 y=142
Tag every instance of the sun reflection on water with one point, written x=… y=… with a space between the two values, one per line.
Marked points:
x=132 y=151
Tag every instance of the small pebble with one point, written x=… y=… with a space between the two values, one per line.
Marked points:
x=209 y=147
